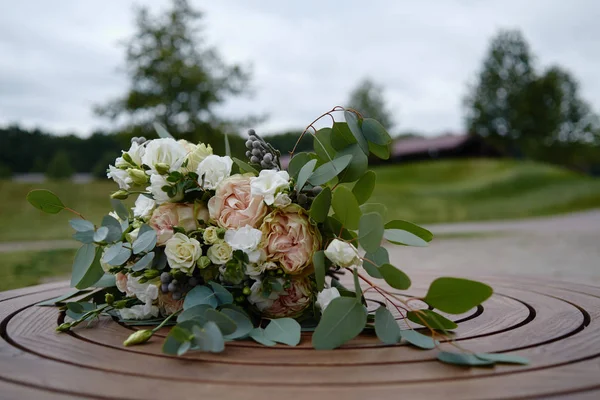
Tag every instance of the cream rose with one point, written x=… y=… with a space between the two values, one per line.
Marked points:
x=182 y=252
x=169 y=215
x=292 y=302
x=213 y=170
x=166 y=154
x=219 y=253
x=342 y=254
x=211 y=235
x=233 y=205
x=269 y=183
x=291 y=239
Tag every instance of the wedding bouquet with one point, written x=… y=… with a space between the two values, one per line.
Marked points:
x=223 y=249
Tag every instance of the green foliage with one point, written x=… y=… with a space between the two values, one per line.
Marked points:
x=283 y=330
x=45 y=201
x=305 y=172
x=466 y=359
x=417 y=339
x=320 y=269
x=86 y=266
x=455 y=295
x=329 y=170
x=343 y=319
x=60 y=166
x=363 y=189
x=258 y=334
x=200 y=295
x=386 y=327
x=345 y=207
x=370 y=231
x=319 y=209
x=431 y=319
x=394 y=277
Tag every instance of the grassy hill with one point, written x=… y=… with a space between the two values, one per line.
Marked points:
x=481 y=189
x=426 y=192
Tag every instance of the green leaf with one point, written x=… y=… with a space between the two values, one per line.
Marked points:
x=243 y=324
x=342 y=321
x=143 y=262
x=322 y=144
x=120 y=209
x=431 y=319
x=84 y=237
x=330 y=170
x=463 y=359
x=161 y=131
x=101 y=234
x=258 y=334
x=370 y=231
x=320 y=269
x=77 y=310
x=394 y=277
x=86 y=266
x=363 y=189
x=116 y=254
x=304 y=174
x=208 y=338
x=381 y=152
x=183 y=348
x=341 y=136
x=177 y=335
x=81 y=225
x=375 y=133
x=194 y=313
x=75 y=307
x=244 y=167
x=410 y=227
x=297 y=162
x=224 y=322
x=379 y=257
x=354 y=124
x=399 y=236
x=45 y=201
x=283 y=330
x=417 y=339
x=357 y=166
x=503 y=358
x=345 y=207
x=223 y=295
x=320 y=205
x=386 y=327
x=357 y=288
x=378 y=208
x=60 y=299
x=456 y=295
x=144 y=242
x=106 y=281
x=114 y=228
x=200 y=295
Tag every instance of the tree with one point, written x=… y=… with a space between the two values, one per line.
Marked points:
x=368 y=99
x=60 y=166
x=176 y=79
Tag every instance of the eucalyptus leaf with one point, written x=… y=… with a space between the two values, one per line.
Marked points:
x=161 y=131
x=86 y=266
x=502 y=358
x=341 y=136
x=463 y=359
x=357 y=288
x=258 y=334
x=394 y=277
x=456 y=295
x=283 y=330
x=320 y=205
x=370 y=231
x=298 y=161
x=378 y=208
x=225 y=323
x=329 y=170
x=410 y=227
x=304 y=174
x=320 y=269
x=399 y=236
x=114 y=228
x=363 y=189
x=101 y=234
x=380 y=151
x=386 y=327
x=343 y=319
x=200 y=295
x=372 y=262
x=183 y=348
x=223 y=295
x=242 y=322
x=354 y=124
x=60 y=299
x=45 y=201
x=375 y=133
x=86 y=237
x=322 y=144
x=345 y=207
x=143 y=262
x=116 y=254
x=244 y=166
x=431 y=319
x=75 y=307
x=120 y=209
x=77 y=310
x=209 y=338
x=358 y=164
x=106 y=281
x=144 y=242
x=417 y=339
x=194 y=313
x=81 y=225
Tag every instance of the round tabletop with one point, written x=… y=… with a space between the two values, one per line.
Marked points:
x=555 y=325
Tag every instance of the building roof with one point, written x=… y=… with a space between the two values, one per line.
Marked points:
x=417 y=145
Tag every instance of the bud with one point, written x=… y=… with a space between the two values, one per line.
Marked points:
x=109 y=299
x=128 y=158
x=120 y=195
x=120 y=304
x=151 y=273
x=138 y=176
x=138 y=337
x=63 y=327
x=162 y=168
x=203 y=262
x=247 y=291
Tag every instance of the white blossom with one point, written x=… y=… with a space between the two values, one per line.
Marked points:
x=268 y=183
x=212 y=170
x=166 y=152
x=246 y=239
x=342 y=254
x=326 y=296
x=156 y=184
x=182 y=252
x=144 y=206
x=121 y=177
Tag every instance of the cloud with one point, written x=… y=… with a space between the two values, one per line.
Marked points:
x=61 y=58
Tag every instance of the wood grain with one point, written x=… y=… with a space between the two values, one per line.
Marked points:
x=556 y=325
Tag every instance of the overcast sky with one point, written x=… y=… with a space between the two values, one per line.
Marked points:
x=59 y=58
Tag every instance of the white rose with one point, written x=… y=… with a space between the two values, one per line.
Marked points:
x=326 y=296
x=212 y=170
x=268 y=183
x=282 y=200
x=182 y=252
x=211 y=235
x=166 y=152
x=219 y=253
x=196 y=154
x=156 y=184
x=342 y=254
x=144 y=206
x=257 y=298
x=121 y=177
x=139 y=312
x=246 y=239
x=144 y=292
x=254 y=270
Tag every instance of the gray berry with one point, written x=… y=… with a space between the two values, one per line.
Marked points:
x=165 y=277
x=252 y=138
x=249 y=144
x=254 y=160
x=316 y=190
x=164 y=287
x=265 y=164
x=193 y=282
x=256 y=152
x=172 y=286
x=256 y=144
x=268 y=157
x=248 y=154
x=302 y=199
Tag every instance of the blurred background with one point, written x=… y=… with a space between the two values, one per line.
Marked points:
x=494 y=107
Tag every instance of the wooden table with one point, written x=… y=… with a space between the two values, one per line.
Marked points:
x=555 y=325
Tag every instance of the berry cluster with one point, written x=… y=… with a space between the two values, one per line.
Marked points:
x=261 y=152
x=175 y=287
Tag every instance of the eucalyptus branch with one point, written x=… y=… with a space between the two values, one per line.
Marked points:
x=311 y=125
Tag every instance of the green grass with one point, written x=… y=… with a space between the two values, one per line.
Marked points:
x=20 y=269
x=481 y=189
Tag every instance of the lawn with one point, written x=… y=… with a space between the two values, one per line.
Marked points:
x=21 y=269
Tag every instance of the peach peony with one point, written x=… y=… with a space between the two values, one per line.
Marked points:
x=168 y=215
x=233 y=206
x=291 y=239
x=293 y=301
